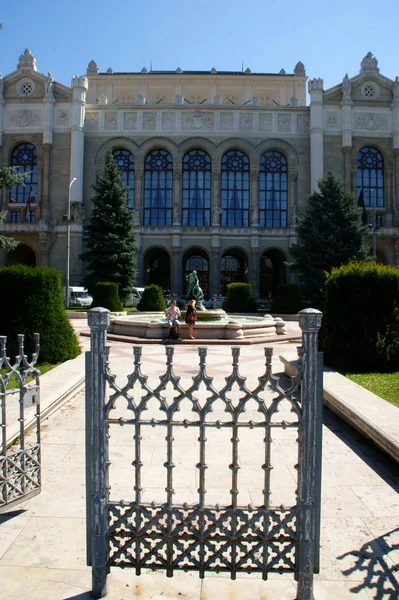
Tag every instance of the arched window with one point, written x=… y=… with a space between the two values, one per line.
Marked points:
x=273 y=190
x=125 y=161
x=196 y=189
x=158 y=189
x=370 y=176
x=234 y=189
x=24 y=156
x=233 y=267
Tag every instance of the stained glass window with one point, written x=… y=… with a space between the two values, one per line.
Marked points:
x=234 y=189
x=158 y=189
x=370 y=176
x=125 y=161
x=273 y=199
x=24 y=156
x=196 y=189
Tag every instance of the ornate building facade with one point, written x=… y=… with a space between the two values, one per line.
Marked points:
x=217 y=164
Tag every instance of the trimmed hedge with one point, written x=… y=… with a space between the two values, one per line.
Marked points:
x=31 y=301
x=152 y=299
x=287 y=300
x=360 y=325
x=106 y=294
x=240 y=298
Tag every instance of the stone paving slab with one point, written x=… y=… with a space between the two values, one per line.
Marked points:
x=42 y=542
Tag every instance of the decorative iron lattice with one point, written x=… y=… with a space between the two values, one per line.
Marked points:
x=203 y=537
x=223 y=538
x=20 y=467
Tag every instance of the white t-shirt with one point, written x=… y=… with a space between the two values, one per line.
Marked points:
x=173 y=312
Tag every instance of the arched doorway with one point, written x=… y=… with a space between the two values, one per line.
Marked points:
x=272 y=272
x=197 y=260
x=22 y=255
x=157 y=268
x=233 y=267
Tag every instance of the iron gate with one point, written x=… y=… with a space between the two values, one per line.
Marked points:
x=20 y=462
x=202 y=537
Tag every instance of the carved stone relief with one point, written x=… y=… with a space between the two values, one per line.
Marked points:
x=265 y=121
x=168 y=121
x=302 y=123
x=24 y=118
x=197 y=121
x=92 y=121
x=226 y=121
x=370 y=121
x=149 y=121
x=246 y=121
x=284 y=121
x=111 y=121
x=130 y=121
x=331 y=120
x=62 y=117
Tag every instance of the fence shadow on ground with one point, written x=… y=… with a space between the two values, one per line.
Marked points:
x=380 y=576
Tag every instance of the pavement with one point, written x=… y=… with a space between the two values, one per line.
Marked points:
x=42 y=541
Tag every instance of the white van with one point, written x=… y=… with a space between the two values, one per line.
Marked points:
x=79 y=296
x=135 y=296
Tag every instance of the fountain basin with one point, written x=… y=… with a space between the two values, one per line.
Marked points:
x=225 y=327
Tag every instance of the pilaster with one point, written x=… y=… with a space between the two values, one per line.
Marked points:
x=254 y=196
x=79 y=89
x=347 y=152
x=215 y=270
x=138 y=191
x=293 y=208
x=177 y=174
x=315 y=87
x=45 y=197
x=216 y=210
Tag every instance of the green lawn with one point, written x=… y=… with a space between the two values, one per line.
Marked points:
x=43 y=368
x=384 y=385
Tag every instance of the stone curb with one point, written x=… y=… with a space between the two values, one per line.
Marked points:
x=345 y=409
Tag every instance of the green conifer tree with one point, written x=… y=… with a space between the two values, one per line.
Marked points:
x=329 y=234
x=110 y=238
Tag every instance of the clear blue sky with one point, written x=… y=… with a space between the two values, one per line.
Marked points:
x=330 y=37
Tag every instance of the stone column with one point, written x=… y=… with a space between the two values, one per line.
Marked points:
x=176 y=272
x=215 y=272
x=215 y=204
x=79 y=89
x=45 y=198
x=46 y=242
x=254 y=269
x=176 y=216
x=347 y=153
x=254 y=205
x=292 y=196
x=315 y=87
x=138 y=194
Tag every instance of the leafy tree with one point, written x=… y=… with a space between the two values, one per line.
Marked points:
x=110 y=239
x=9 y=177
x=330 y=234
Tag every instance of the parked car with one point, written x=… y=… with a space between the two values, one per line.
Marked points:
x=218 y=302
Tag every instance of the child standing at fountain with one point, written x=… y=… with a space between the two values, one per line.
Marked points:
x=191 y=317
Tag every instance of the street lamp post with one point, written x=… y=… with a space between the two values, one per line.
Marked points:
x=68 y=241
